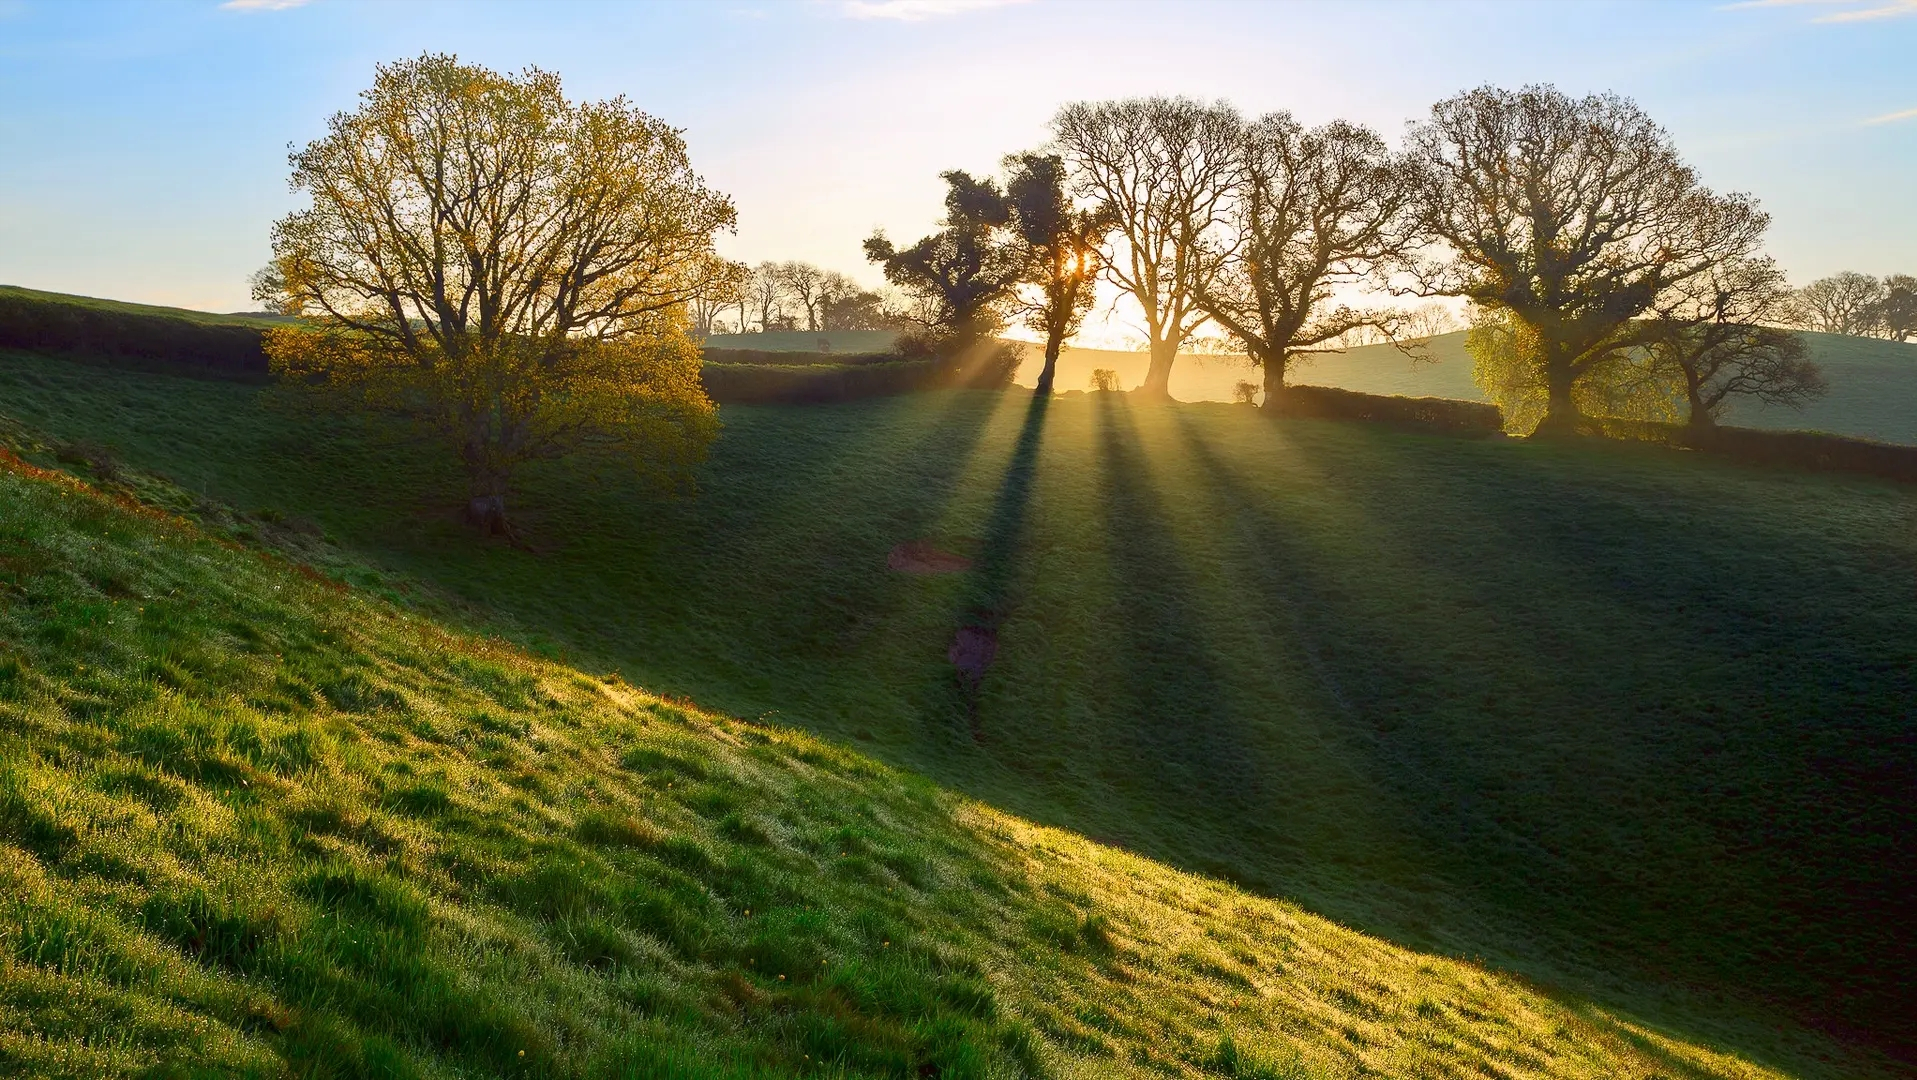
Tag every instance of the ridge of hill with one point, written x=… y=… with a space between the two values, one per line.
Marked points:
x=253 y=319
x=253 y=822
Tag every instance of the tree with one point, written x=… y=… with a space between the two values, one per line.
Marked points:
x=1843 y=303
x=1570 y=215
x=1311 y=211
x=505 y=267
x=1163 y=168
x=964 y=273
x=804 y=283
x=766 y=288
x=724 y=289
x=1059 y=245
x=1717 y=335
x=1897 y=311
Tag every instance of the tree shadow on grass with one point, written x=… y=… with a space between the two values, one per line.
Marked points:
x=1607 y=827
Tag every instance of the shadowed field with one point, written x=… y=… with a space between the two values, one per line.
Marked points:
x=1629 y=722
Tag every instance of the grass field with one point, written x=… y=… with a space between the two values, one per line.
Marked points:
x=1629 y=723
x=254 y=824
x=204 y=318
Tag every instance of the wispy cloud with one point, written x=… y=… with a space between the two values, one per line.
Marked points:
x=1850 y=10
x=1892 y=118
x=262 y=5
x=915 y=10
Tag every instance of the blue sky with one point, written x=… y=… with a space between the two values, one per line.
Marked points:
x=143 y=146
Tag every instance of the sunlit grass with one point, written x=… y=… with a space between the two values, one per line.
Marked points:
x=248 y=819
x=1629 y=722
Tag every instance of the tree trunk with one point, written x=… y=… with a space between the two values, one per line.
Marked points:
x=1274 y=385
x=487 y=513
x=1561 y=413
x=1158 y=376
x=1054 y=344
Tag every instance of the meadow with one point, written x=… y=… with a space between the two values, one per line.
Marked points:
x=1628 y=725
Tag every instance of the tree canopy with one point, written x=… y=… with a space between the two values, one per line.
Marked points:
x=507 y=267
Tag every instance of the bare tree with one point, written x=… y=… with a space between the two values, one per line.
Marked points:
x=724 y=288
x=765 y=288
x=1717 y=335
x=1311 y=211
x=1060 y=245
x=1843 y=303
x=1571 y=215
x=804 y=283
x=1163 y=168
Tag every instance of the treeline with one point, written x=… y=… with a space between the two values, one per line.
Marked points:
x=1858 y=305
x=1602 y=277
x=788 y=296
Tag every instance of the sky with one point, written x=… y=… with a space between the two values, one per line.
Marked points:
x=143 y=145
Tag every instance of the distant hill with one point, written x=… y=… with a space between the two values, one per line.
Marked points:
x=838 y=341
x=256 y=319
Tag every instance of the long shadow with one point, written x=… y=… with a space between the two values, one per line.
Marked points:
x=1617 y=845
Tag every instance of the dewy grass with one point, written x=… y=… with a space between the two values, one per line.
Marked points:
x=1628 y=722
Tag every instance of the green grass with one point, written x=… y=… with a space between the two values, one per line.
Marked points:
x=841 y=341
x=255 y=824
x=203 y=318
x=1629 y=723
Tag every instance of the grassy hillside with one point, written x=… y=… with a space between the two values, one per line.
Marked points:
x=1629 y=722
x=254 y=824
x=1873 y=383
x=840 y=341
x=117 y=307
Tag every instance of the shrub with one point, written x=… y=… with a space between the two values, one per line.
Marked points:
x=1802 y=449
x=1440 y=414
x=1104 y=381
x=1245 y=392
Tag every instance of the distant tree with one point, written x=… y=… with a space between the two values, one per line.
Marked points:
x=861 y=309
x=805 y=285
x=1717 y=334
x=1845 y=303
x=766 y=288
x=1163 y=169
x=507 y=268
x=965 y=273
x=1060 y=246
x=1571 y=215
x=1897 y=311
x=1311 y=211
x=724 y=289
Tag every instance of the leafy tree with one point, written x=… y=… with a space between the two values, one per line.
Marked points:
x=1618 y=384
x=1845 y=303
x=1569 y=215
x=965 y=273
x=1897 y=311
x=1164 y=169
x=507 y=268
x=1717 y=335
x=1311 y=210
x=1060 y=245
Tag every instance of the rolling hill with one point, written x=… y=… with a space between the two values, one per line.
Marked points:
x=254 y=823
x=1627 y=724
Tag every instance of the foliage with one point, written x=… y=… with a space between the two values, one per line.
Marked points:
x=1571 y=216
x=508 y=266
x=1621 y=384
x=1061 y=246
x=1162 y=168
x=1310 y=211
x=1104 y=381
x=966 y=273
x=1897 y=313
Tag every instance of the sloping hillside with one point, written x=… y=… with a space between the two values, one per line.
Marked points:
x=252 y=821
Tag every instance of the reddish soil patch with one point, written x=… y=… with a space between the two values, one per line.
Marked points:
x=919 y=557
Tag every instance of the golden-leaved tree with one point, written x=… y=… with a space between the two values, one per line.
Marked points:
x=506 y=268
